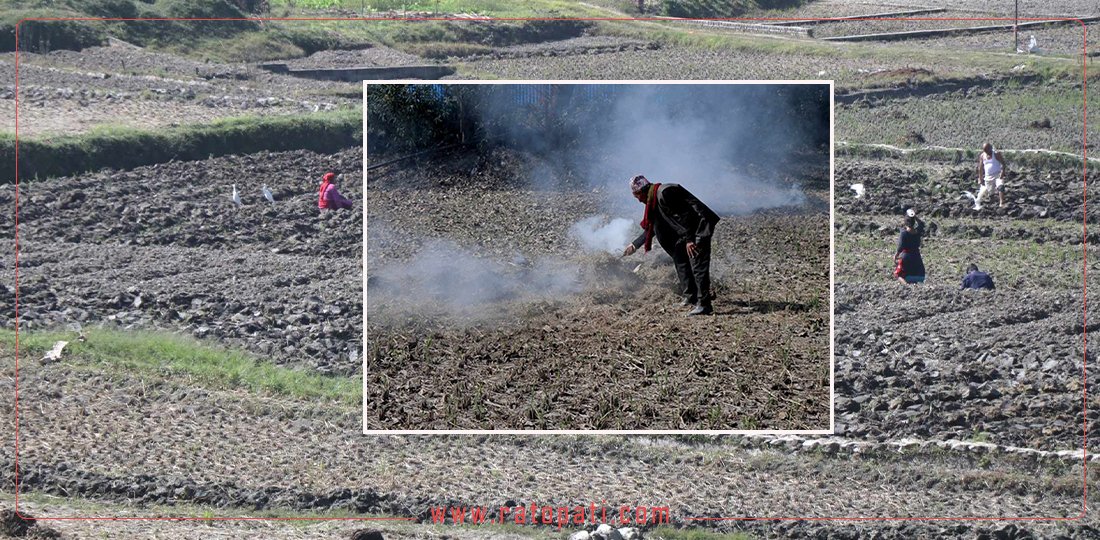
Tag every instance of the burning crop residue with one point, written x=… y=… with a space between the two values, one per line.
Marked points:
x=598 y=233
x=443 y=276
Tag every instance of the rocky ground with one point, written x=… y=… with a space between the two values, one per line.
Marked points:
x=1017 y=117
x=949 y=404
x=690 y=63
x=376 y=56
x=164 y=246
x=1005 y=8
x=585 y=45
x=178 y=447
x=1032 y=192
x=928 y=21
x=935 y=360
x=831 y=8
x=1067 y=40
x=521 y=355
x=65 y=92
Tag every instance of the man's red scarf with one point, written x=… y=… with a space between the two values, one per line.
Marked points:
x=647 y=224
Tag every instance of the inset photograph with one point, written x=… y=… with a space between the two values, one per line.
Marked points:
x=619 y=256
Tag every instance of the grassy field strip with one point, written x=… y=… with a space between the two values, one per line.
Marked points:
x=162 y=354
x=862 y=258
x=1032 y=225
x=947 y=153
x=126 y=148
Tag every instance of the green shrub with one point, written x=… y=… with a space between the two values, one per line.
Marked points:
x=45 y=36
x=403 y=117
x=311 y=41
x=111 y=9
x=497 y=34
x=199 y=9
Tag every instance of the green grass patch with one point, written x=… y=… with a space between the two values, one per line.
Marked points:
x=167 y=354
x=243 y=47
x=126 y=148
x=44 y=36
x=1010 y=115
x=490 y=8
x=864 y=257
x=1052 y=159
x=222 y=41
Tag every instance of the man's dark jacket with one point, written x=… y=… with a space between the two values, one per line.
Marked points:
x=680 y=218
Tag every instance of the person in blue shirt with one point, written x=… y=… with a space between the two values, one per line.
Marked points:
x=976 y=279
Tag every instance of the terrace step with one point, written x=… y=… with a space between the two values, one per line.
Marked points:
x=887 y=15
x=356 y=74
x=915 y=34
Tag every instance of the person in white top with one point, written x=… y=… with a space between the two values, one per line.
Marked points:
x=991 y=171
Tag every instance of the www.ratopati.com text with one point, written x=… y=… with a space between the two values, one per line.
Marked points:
x=551 y=515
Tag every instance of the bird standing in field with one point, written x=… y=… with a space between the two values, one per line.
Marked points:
x=971 y=196
x=236 y=196
x=267 y=194
x=858 y=188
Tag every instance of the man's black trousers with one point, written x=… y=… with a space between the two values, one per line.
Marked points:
x=694 y=273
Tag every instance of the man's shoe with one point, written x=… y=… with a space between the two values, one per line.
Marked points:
x=701 y=310
x=685 y=302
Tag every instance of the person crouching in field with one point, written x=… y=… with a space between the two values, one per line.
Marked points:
x=684 y=227
x=991 y=172
x=976 y=279
x=908 y=264
x=329 y=198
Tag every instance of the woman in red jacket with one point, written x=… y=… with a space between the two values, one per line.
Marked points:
x=329 y=198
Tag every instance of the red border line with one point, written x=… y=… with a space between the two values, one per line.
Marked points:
x=1084 y=239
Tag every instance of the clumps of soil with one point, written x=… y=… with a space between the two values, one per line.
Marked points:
x=15 y=525
x=911 y=138
x=891 y=187
x=906 y=72
x=366 y=534
x=496 y=168
x=613 y=271
x=374 y=56
x=1040 y=124
x=164 y=247
x=519 y=369
x=907 y=75
x=12 y=524
x=584 y=45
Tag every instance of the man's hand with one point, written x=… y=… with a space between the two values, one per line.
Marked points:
x=692 y=250
x=629 y=250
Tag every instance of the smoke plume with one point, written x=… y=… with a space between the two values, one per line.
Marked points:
x=596 y=233
x=445 y=275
